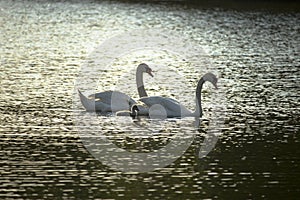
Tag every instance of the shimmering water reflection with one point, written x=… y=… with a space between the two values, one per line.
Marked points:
x=42 y=154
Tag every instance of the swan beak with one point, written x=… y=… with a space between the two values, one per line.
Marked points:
x=216 y=86
x=150 y=73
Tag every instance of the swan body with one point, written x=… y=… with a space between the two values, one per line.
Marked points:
x=113 y=101
x=170 y=107
x=108 y=101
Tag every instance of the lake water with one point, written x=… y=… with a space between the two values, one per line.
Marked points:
x=46 y=137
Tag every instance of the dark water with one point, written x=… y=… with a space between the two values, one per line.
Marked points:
x=256 y=54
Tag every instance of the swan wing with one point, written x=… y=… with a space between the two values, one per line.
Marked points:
x=107 y=96
x=108 y=101
x=172 y=107
x=174 y=100
x=117 y=100
x=92 y=105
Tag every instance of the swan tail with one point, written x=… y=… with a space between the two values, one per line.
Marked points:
x=88 y=104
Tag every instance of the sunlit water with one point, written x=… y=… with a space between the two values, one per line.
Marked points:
x=256 y=54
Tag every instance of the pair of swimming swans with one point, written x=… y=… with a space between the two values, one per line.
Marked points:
x=114 y=101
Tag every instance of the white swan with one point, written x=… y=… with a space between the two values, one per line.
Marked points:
x=168 y=107
x=113 y=101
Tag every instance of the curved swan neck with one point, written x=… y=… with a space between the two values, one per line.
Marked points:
x=198 y=111
x=140 y=82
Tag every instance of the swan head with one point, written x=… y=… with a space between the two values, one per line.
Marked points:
x=134 y=111
x=210 y=77
x=146 y=68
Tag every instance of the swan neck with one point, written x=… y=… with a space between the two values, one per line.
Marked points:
x=140 y=83
x=198 y=111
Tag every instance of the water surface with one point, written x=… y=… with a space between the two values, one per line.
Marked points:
x=256 y=54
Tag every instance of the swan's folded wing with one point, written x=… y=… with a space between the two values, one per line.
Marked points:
x=166 y=102
x=113 y=97
x=103 y=96
x=172 y=107
x=172 y=100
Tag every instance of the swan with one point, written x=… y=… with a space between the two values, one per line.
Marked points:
x=113 y=101
x=168 y=107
